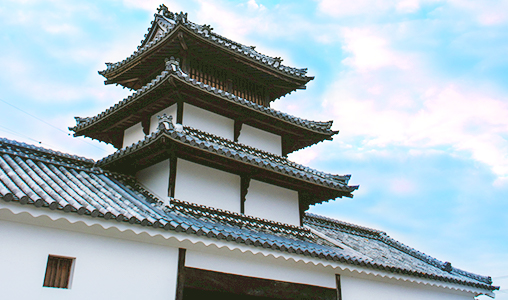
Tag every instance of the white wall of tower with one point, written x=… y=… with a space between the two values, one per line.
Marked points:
x=260 y=139
x=272 y=202
x=207 y=186
x=156 y=179
x=208 y=121
x=133 y=135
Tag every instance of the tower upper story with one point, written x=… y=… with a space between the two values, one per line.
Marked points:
x=199 y=126
x=214 y=78
x=209 y=58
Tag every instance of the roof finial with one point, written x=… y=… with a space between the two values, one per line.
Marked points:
x=172 y=64
x=165 y=122
x=181 y=17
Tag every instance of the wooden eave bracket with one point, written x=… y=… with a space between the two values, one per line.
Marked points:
x=182 y=41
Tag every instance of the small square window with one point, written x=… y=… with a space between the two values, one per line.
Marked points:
x=58 y=272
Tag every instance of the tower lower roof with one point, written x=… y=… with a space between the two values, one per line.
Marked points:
x=155 y=96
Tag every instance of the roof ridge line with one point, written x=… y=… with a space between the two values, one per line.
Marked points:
x=384 y=237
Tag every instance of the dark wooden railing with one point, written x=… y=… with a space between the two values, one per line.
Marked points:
x=219 y=79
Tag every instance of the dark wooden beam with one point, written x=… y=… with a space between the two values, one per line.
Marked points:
x=180 y=280
x=244 y=189
x=303 y=204
x=237 y=129
x=172 y=174
x=117 y=139
x=181 y=39
x=145 y=123
x=179 y=112
x=204 y=284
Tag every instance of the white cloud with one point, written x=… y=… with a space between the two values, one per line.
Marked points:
x=456 y=116
x=152 y=5
x=369 y=51
x=341 y=8
x=485 y=13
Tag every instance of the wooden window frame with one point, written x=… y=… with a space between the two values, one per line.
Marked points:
x=59 y=271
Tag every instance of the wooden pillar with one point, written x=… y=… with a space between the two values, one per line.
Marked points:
x=179 y=112
x=172 y=174
x=145 y=123
x=180 y=279
x=244 y=189
x=303 y=204
x=339 y=288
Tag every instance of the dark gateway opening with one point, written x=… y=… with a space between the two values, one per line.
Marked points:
x=203 y=284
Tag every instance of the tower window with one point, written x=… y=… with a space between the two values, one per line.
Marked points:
x=58 y=272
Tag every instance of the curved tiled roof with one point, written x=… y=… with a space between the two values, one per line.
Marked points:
x=168 y=21
x=28 y=178
x=173 y=70
x=237 y=151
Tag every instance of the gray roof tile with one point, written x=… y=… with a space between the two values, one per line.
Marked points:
x=321 y=127
x=72 y=185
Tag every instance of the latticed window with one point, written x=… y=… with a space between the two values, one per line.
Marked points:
x=58 y=272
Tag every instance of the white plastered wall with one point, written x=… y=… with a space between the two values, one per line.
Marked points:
x=268 y=267
x=154 y=121
x=133 y=135
x=260 y=139
x=362 y=288
x=156 y=179
x=208 y=121
x=104 y=267
x=271 y=202
x=207 y=186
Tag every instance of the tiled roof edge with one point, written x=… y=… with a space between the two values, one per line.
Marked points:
x=382 y=236
x=171 y=21
x=319 y=126
x=185 y=136
x=42 y=150
x=241 y=220
x=172 y=225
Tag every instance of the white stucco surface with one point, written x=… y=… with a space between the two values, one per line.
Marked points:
x=247 y=264
x=260 y=139
x=133 y=135
x=272 y=202
x=208 y=121
x=154 y=121
x=207 y=186
x=354 y=288
x=156 y=179
x=104 y=267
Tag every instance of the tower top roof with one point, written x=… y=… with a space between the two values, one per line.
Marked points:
x=173 y=32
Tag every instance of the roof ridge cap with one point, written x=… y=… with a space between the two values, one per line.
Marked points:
x=45 y=150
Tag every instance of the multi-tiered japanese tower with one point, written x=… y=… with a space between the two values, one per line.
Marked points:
x=199 y=127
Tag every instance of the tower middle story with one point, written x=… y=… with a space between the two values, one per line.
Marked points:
x=199 y=128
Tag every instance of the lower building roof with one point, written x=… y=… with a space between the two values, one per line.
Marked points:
x=52 y=180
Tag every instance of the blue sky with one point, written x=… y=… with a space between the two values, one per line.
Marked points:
x=417 y=88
